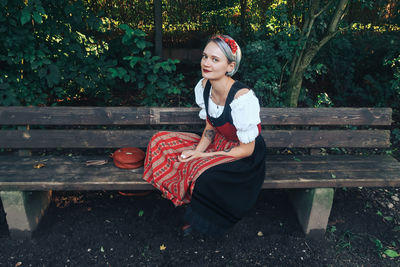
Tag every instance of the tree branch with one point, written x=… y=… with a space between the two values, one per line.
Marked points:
x=326 y=39
x=323 y=9
x=341 y=7
x=310 y=19
x=282 y=72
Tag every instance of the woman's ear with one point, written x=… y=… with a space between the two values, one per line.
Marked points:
x=231 y=66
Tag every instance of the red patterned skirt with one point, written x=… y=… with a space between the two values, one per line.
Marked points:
x=176 y=179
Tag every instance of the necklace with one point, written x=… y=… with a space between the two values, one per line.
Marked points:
x=216 y=102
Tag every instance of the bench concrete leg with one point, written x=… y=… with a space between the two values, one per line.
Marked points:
x=24 y=210
x=313 y=207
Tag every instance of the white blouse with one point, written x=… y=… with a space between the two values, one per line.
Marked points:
x=245 y=112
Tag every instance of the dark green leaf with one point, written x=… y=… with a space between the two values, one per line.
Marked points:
x=152 y=78
x=53 y=76
x=166 y=67
x=121 y=72
x=141 y=44
x=128 y=33
x=114 y=72
x=140 y=33
x=42 y=72
x=133 y=61
x=37 y=17
x=162 y=84
x=25 y=16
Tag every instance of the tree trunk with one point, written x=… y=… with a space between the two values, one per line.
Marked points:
x=296 y=77
x=158 y=28
x=310 y=47
x=243 y=8
x=294 y=83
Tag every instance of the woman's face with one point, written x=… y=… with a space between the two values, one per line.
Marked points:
x=214 y=64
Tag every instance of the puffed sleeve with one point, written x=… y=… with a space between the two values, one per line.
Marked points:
x=246 y=116
x=198 y=91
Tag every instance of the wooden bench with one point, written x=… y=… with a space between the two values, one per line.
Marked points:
x=26 y=191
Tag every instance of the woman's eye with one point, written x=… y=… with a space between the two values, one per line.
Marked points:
x=215 y=60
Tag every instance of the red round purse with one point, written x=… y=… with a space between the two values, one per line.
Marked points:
x=128 y=158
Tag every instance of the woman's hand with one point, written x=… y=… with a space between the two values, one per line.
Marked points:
x=189 y=155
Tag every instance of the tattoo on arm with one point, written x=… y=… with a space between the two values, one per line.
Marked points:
x=210 y=134
x=228 y=149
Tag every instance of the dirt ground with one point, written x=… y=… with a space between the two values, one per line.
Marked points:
x=108 y=229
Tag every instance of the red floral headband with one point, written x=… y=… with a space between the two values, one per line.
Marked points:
x=232 y=44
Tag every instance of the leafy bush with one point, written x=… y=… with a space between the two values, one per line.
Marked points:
x=360 y=69
x=43 y=55
x=152 y=79
x=262 y=69
x=59 y=52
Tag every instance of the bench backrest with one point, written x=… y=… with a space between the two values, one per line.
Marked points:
x=113 y=127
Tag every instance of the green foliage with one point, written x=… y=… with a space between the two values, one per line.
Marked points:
x=187 y=22
x=54 y=52
x=346 y=239
x=43 y=55
x=323 y=100
x=382 y=250
x=140 y=72
x=262 y=70
x=394 y=63
x=358 y=70
x=267 y=54
x=84 y=52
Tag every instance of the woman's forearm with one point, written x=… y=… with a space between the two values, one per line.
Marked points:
x=241 y=151
x=207 y=138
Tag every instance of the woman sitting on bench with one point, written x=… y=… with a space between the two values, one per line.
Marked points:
x=219 y=174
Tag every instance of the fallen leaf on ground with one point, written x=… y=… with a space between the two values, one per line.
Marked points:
x=391 y=253
x=260 y=233
x=38 y=166
x=163 y=247
x=18 y=264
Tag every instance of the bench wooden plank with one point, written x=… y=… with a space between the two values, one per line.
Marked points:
x=74 y=116
x=140 y=138
x=326 y=116
x=282 y=164
x=175 y=116
x=71 y=173
x=326 y=138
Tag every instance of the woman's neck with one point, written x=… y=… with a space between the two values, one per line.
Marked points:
x=221 y=86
